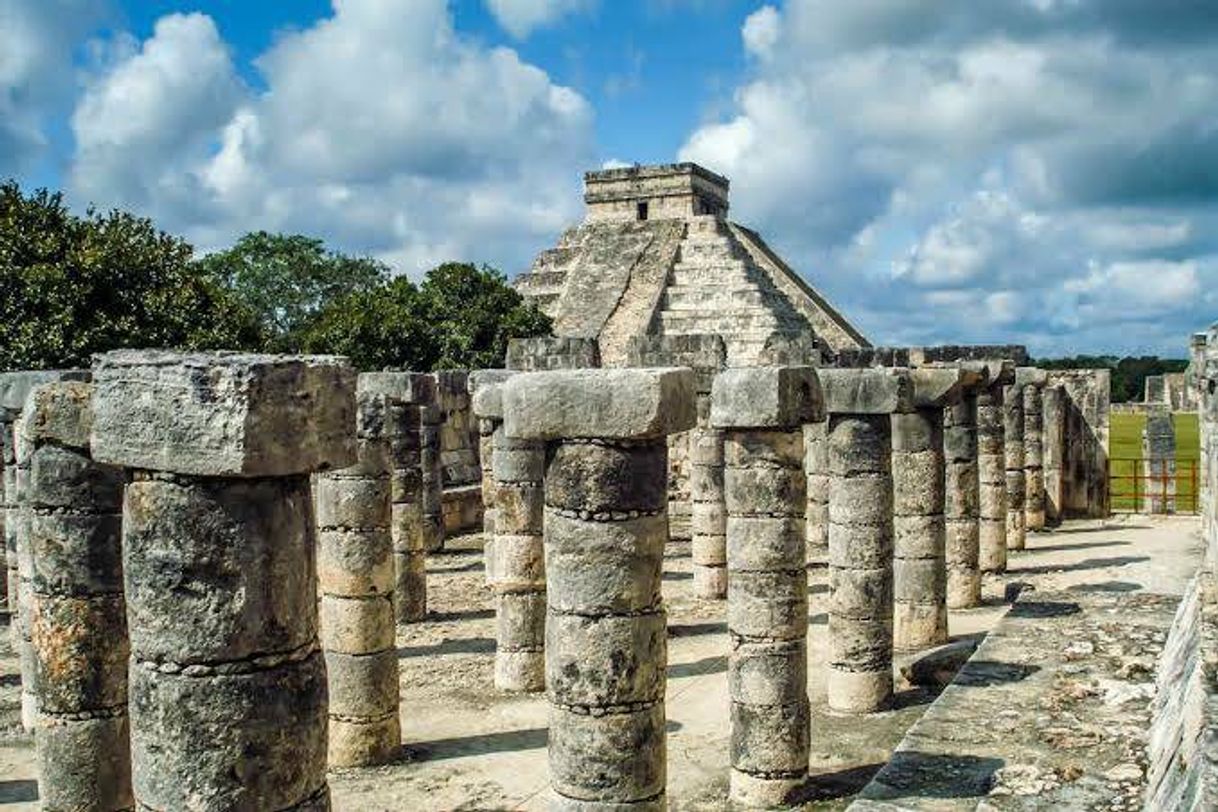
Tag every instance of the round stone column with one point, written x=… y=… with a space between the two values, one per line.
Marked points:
x=816 y=470
x=356 y=576
x=919 y=557
x=1034 y=453
x=412 y=530
x=962 y=502
x=1013 y=453
x=517 y=564
x=433 y=473
x=77 y=619
x=227 y=683
x=992 y=480
x=860 y=404
x=515 y=556
x=762 y=411
x=1053 y=401
x=605 y=531
x=708 y=520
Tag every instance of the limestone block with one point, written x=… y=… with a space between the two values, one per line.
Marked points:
x=520 y=622
x=15 y=387
x=486 y=390
x=611 y=660
x=938 y=386
x=362 y=685
x=771 y=672
x=866 y=391
x=770 y=605
x=355 y=562
x=188 y=732
x=604 y=566
x=75 y=554
x=769 y=742
x=407 y=387
x=221 y=543
x=597 y=478
x=611 y=403
x=79 y=649
x=222 y=414
x=766 y=397
x=84 y=763
x=587 y=754
x=765 y=543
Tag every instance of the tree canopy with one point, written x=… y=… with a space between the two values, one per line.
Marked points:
x=287 y=279
x=71 y=286
x=1128 y=374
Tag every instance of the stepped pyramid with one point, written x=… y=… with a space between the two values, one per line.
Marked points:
x=656 y=255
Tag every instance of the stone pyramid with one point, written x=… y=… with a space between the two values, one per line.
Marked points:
x=656 y=255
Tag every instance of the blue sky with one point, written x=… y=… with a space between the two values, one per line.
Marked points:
x=1041 y=171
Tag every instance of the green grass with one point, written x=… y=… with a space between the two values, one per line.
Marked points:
x=1125 y=446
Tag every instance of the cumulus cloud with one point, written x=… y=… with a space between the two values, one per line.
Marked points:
x=976 y=163
x=521 y=17
x=37 y=38
x=379 y=128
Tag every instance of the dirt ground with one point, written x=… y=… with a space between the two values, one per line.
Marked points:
x=468 y=747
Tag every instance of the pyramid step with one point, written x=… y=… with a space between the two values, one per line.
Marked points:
x=689 y=321
x=680 y=297
x=710 y=249
x=697 y=275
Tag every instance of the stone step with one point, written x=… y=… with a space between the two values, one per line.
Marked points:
x=706 y=224
x=555 y=258
x=688 y=321
x=684 y=275
x=710 y=250
x=683 y=297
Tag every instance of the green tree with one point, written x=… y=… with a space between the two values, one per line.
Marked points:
x=460 y=317
x=474 y=312
x=72 y=286
x=288 y=280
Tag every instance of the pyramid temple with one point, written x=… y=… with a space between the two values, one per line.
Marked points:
x=657 y=256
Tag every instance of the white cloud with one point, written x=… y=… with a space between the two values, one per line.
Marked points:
x=37 y=38
x=1000 y=151
x=380 y=128
x=521 y=17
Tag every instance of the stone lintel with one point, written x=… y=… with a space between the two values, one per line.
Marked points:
x=1001 y=371
x=937 y=386
x=625 y=404
x=15 y=386
x=486 y=392
x=1030 y=376
x=766 y=397
x=412 y=387
x=60 y=412
x=878 y=390
x=223 y=414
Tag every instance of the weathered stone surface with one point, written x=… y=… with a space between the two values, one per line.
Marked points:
x=80 y=653
x=770 y=739
x=74 y=554
x=598 y=478
x=362 y=685
x=63 y=478
x=611 y=403
x=15 y=387
x=768 y=605
x=218 y=545
x=866 y=391
x=486 y=392
x=604 y=567
x=761 y=397
x=223 y=414
x=938 y=386
x=616 y=757
x=242 y=741
x=84 y=763
x=612 y=660
x=355 y=562
x=362 y=625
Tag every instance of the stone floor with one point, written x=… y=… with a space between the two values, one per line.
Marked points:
x=469 y=748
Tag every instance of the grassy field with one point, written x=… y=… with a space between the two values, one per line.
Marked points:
x=1125 y=452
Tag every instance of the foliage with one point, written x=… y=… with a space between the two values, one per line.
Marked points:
x=287 y=280
x=73 y=286
x=1128 y=374
x=460 y=317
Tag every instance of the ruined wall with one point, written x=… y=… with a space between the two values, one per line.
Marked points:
x=1085 y=411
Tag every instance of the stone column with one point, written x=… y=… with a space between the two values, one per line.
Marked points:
x=605 y=531
x=1012 y=423
x=1159 y=462
x=77 y=617
x=227 y=684
x=1033 y=449
x=708 y=520
x=15 y=387
x=991 y=471
x=431 y=420
x=962 y=492
x=488 y=411
x=860 y=403
x=1053 y=403
x=415 y=521
x=761 y=411
x=816 y=471
x=515 y=561
x=919 y=529
x=356 y=577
